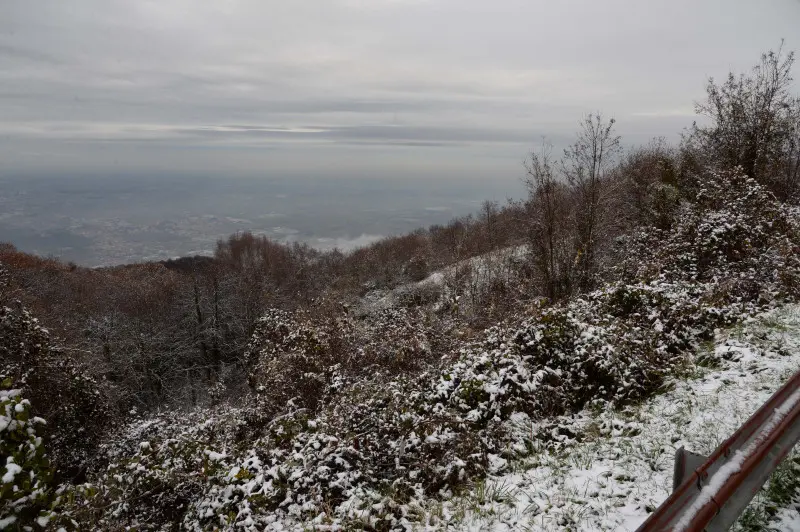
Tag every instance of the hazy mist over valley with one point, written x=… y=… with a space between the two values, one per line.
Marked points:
x=99 y=221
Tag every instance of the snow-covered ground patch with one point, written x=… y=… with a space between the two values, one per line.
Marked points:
x=608 y=470
x=464 y=279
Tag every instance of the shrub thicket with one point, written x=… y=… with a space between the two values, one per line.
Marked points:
x=59 y=390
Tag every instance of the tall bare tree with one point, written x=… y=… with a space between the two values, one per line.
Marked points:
x=549 y=224
x=586 y=165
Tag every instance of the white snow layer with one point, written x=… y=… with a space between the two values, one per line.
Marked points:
x=619 y=468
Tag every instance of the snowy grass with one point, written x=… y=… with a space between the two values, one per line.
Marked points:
x=777 y=506
x=607 y=469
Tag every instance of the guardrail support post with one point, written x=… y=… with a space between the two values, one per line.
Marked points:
x=686 y=463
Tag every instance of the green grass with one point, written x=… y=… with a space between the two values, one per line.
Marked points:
x=781 y=491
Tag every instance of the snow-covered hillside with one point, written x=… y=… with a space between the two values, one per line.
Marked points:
x=607 y=470
x=550 y=415
x=457 y=284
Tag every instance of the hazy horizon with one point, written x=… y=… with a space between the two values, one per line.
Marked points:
x=398 y=96
x=94 y=221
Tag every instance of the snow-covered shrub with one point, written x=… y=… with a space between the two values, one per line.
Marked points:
x=58 y=389
x=733 y=233
x=292 y=356
x=298 y=468
x=300 y=357
x=418 y=294
x=25 y=492
x=616 y=345
x=379 y=448
x=146 y=475
x=486 y=288
x=416 y=268
x=400 y=339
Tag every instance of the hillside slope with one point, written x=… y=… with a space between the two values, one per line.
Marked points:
x=396 y=419
x=607 y=470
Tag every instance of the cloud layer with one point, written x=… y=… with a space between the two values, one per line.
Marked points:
x=309 y=86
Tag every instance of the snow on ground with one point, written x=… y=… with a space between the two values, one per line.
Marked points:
x=608 y=470
x=481 y=267
x=477 y=272
x=788 y=519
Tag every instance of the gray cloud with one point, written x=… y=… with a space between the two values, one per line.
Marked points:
x=451 y=86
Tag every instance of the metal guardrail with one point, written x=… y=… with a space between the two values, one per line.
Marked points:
x=712 y=496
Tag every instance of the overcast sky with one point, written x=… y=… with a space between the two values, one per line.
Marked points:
x=353 y=87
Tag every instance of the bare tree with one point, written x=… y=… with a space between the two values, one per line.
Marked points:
x=549 y=225
x=489 y=218
x=585 y=166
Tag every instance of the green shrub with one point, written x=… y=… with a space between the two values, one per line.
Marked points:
x=25 y=492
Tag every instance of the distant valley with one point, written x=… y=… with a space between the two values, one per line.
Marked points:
x=101 y=221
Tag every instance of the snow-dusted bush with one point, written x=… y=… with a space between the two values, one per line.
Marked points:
x=487 y=288
x=151 y=471
x=418 y=294
x=301 y=357
x=25 y=492
x=366 y=462
x=617 y=345
x=733 y=234
x=400 y=339
x=58 y=389
x=292 y=355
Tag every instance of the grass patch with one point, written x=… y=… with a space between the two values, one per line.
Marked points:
x=781 y=491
